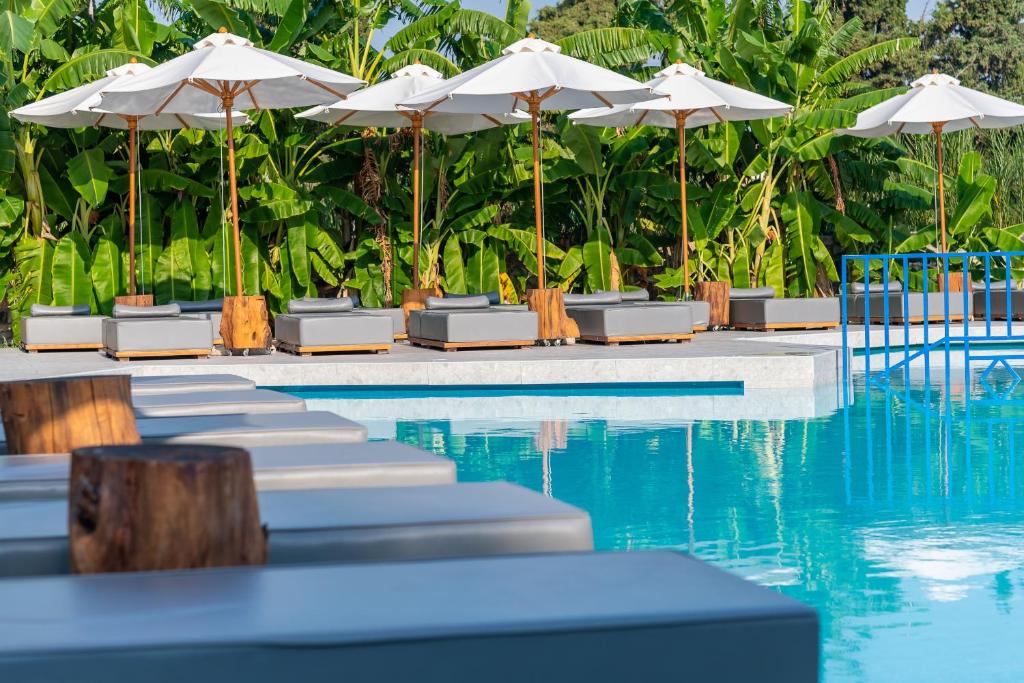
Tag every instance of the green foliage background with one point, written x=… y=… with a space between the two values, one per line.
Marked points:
x=329 y=209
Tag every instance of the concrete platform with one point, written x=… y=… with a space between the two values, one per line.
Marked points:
x=758 y=360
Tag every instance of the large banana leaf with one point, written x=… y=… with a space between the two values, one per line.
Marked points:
x=90 y=175
x=106 y=273
x=597 y=260
x=454 y=267
x=483 y=270
x=71 y=263
x=15 y=32
x=801 y=232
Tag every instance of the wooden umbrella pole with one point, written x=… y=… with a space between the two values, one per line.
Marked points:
x=417 y=136
x=538 y=207
x=937 y=127
x=685 y=245
x=229 y=106
x=133 y=132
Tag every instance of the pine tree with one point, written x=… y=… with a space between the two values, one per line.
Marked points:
x=572 y=16
x=883 y=20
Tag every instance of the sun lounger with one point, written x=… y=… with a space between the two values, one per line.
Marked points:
x=331 y=326
x=308 y=466
x=61 y=328
x=397 y=315
x=700 y=311
x=603 y=318
x=347 y=525
x=263 y=429
x=997 y=301
x=155 y=332
x=571 y=618
x=207 y=310
x=184 y=384
x=758 y=309
x=470 y=322
x=915 y=308
x=216 y=403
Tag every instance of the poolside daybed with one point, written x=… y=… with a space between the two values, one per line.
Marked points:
x=396 y=314
x=915 y=309
x=455 y=323
x=291 y=467
x=758 y=309
x=700 y=311
x=331 y=326
x=61 y=328
x=605 y=318
x=155 y=332
x=206 y=310
x=572 y=618
x=997 y=301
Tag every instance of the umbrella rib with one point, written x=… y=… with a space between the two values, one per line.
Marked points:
x=336 y=93
x=713 y=111
x=346 y=117
x=900 y=129
x=603 y=99
x=99 y=121
x=640 y=121
x=974 y=122
x=493 y=120
x=182 y=121
x=174 y=93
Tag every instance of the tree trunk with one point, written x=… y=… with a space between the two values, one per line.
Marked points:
x=148 y=508
x=245 y=323
x=552 y=321
x=60 y=415
x=716 y=294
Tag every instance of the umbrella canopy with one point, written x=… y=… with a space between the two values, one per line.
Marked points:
x=535 y=74
x=78 y=107
x=378 y=106
x=693 y=100
x=222 y=73
x=936 y=104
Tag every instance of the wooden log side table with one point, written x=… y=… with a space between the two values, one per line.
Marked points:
x=415 y=300
x=717 y=295
x=134 y=300
x=245 y=324
x=552 y=321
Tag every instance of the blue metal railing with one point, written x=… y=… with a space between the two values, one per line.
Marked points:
x=917 y=301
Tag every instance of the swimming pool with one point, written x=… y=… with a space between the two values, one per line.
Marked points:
x=901 y=518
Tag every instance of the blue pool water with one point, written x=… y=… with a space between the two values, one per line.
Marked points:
x=901 y=518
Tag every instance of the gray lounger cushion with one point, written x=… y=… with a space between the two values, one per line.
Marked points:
x=157 y=334
x=206 y=306
x=997 y=302
x=224 y=402
x=570 y=618
x=783 y=311
x=333 y=305
x=633 y=295
x=291 y=467
x=473 y=325
x=264 y=429
x=184 y=384
x=875 y=287
x=457 y=303
x=333 y=329
x=348 y=525
x=740 y=293
x=42 y=310
x=165 y=311
x=396 y=315
x=595 y=299
x=493 y=297
x=855 y=305
x=631 y=321
x=62 y=330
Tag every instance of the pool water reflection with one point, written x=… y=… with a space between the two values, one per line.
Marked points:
x=900 y=518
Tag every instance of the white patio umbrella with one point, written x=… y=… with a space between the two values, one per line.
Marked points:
x=534 y=73
x=693 y=100
x=78 y=108
x=223 y=73
x=936 y=104
x=378 y=106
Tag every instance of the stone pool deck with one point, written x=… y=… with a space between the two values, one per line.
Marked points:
x=759 y=361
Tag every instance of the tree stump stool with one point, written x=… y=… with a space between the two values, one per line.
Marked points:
x=716 y=294
x=134 y=300
x=149 y=508
x=60 y=415
x=245 y=324
x=552 y=321
x=415 y=300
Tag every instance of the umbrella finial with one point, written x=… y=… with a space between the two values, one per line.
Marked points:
x=531 y=35
x=679 y=61
x=133 y=60
x=222 y=29
x=417 y=61
x=935 y=70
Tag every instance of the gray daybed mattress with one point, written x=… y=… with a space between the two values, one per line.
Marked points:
x=606 y=318
x=915 y=307
x=996 y=307
x=471 y=321
x=307 y=466
x=331 y=325
x=571 y=618
x=758 y=309
x=154 y=331
x=700 y=311
x=263 y=429
x=347 y=525
x=205 y=310
x=185 y=384
x=55 y=328
x=224 y=402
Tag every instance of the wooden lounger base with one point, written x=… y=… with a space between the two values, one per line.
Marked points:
x=771 y=327
x=913 y=320
x=35 y=348
x=455 y=346
x=401 y=337
x=125 y=356
x=339 y=348
x=615 y=341
x=700 y=328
